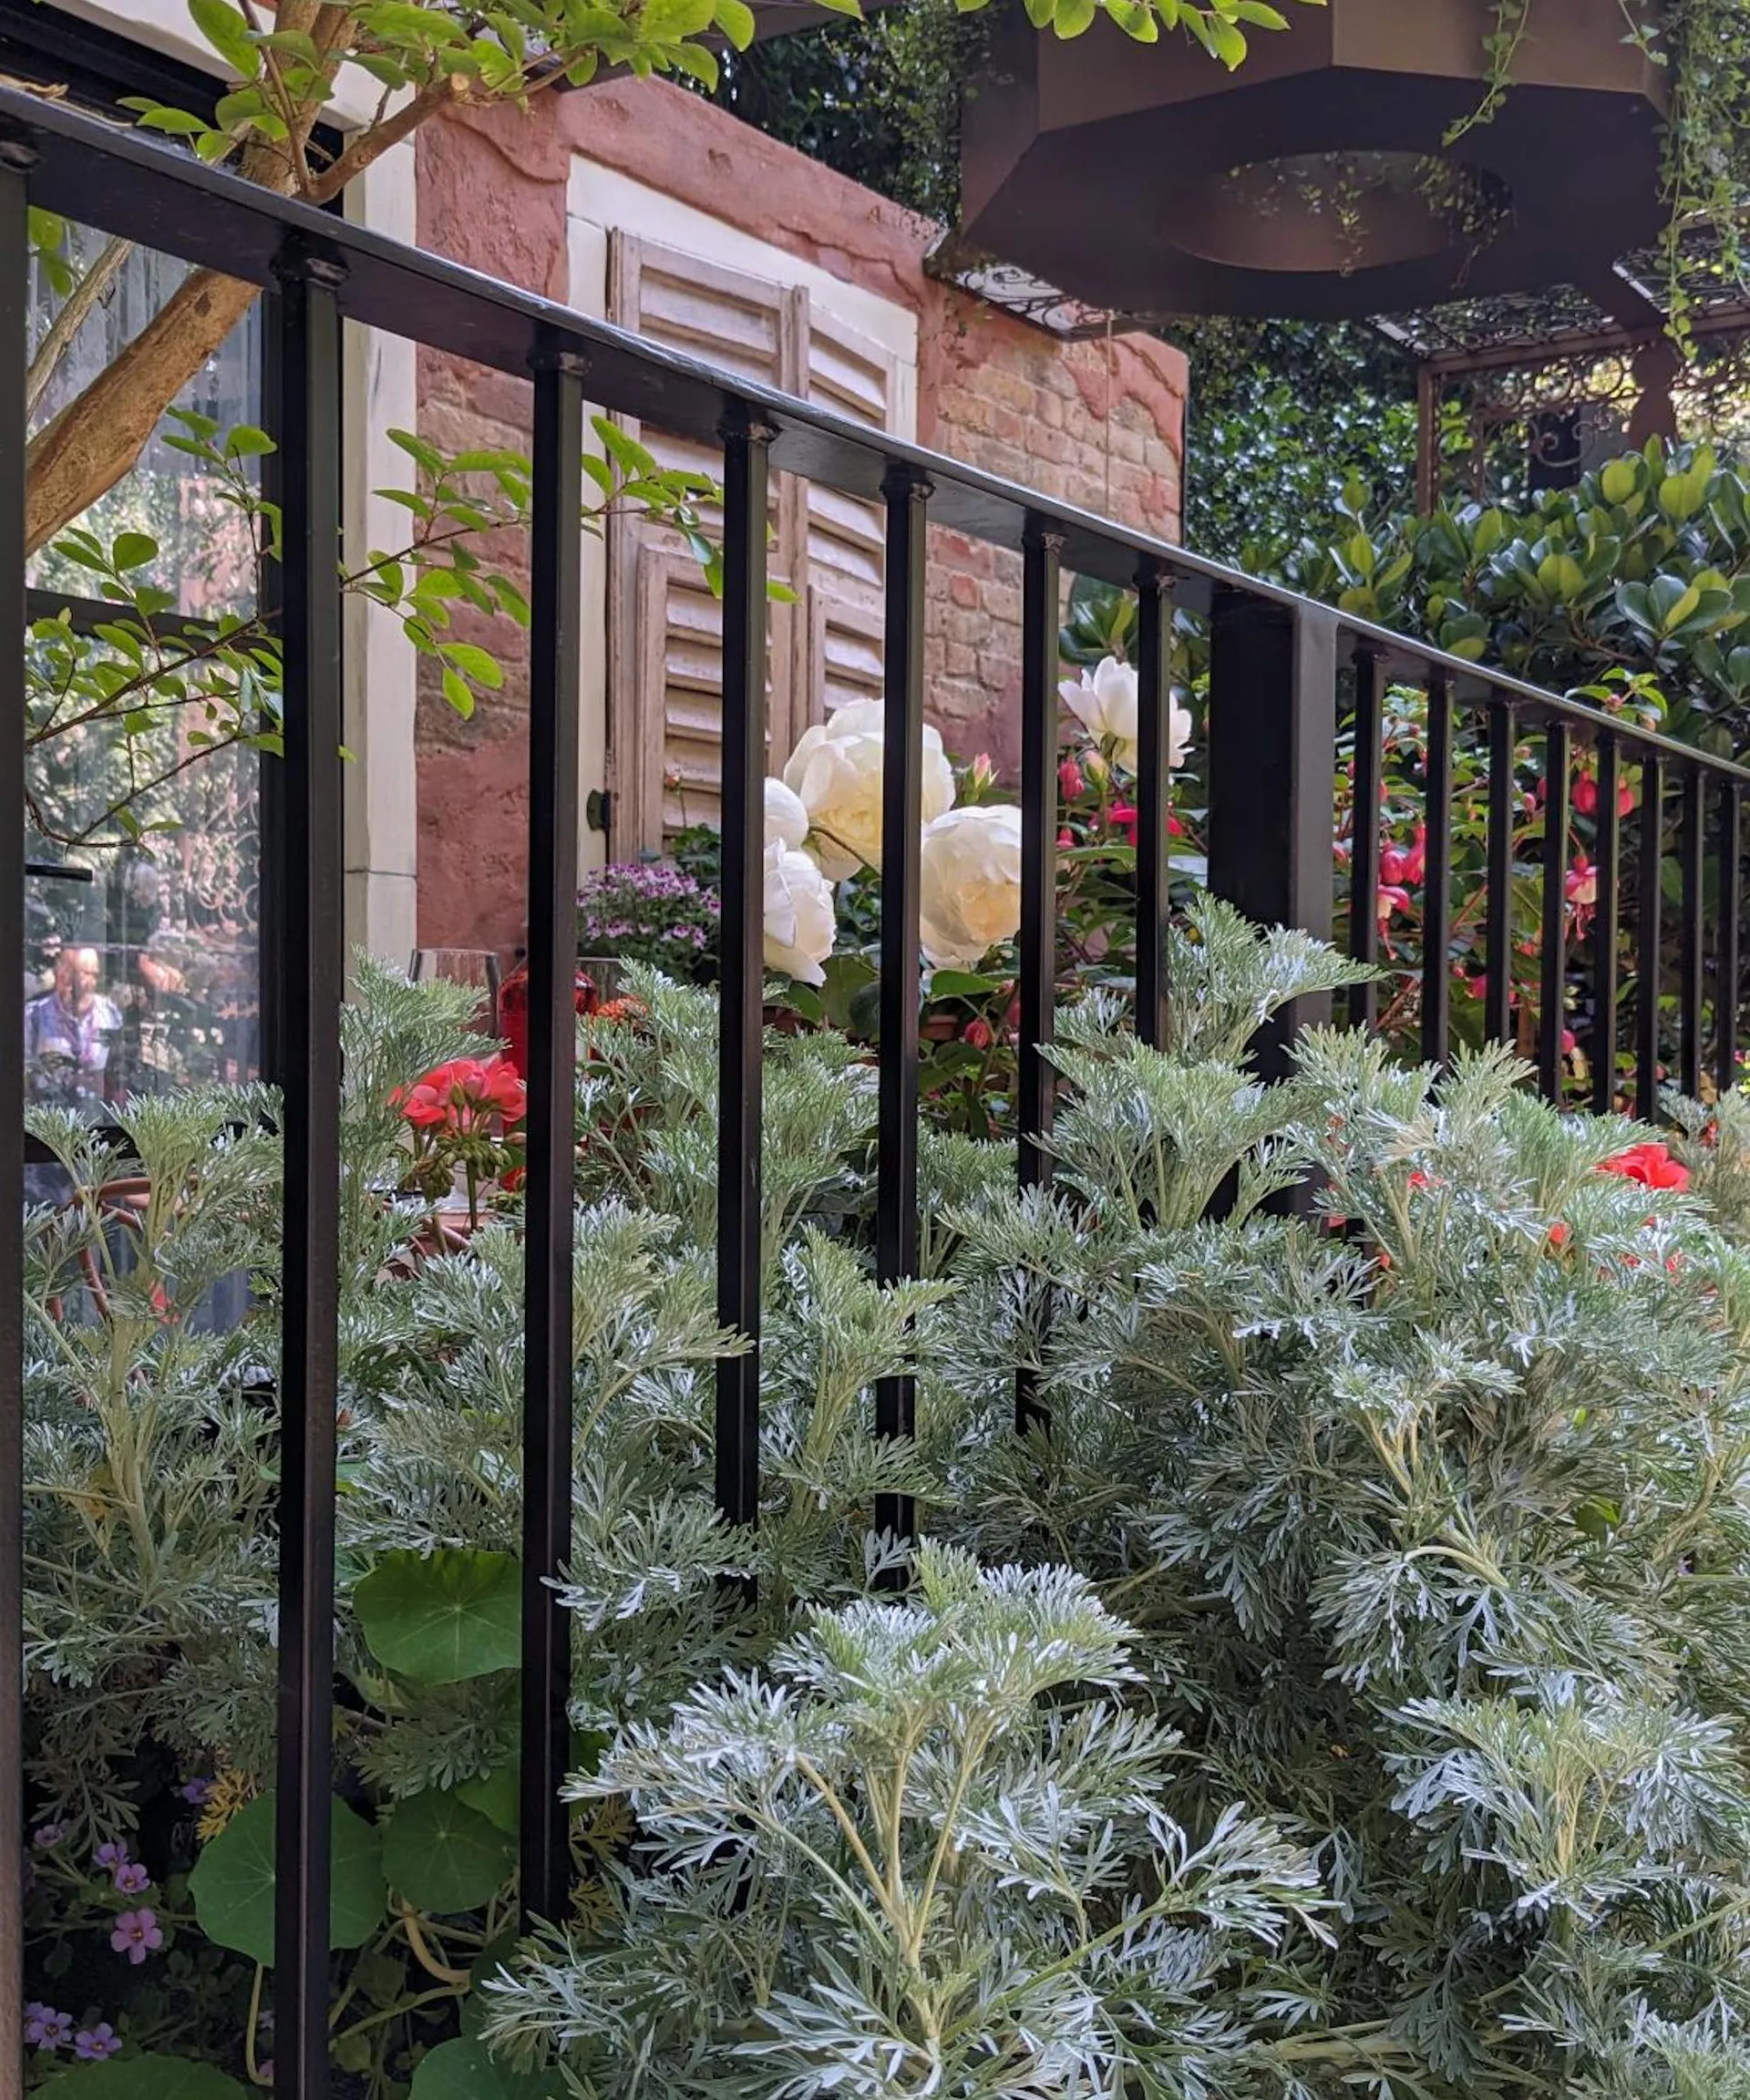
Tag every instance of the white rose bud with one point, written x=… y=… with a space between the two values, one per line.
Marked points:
x=798 y=915
x=970 y=883
x=785 y=819
x=836 y=770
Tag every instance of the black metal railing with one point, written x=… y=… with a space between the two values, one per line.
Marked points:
x=1278 y=665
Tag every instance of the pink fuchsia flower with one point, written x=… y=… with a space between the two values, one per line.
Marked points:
x=1065 y=836
x=1391 y=899
x=132 y=1878
x=1651 y=1164
x=1122 y=816
x=45 y=2028
x=1070 y=782
x=137 y=1934
x=1582 y=884
x=1570 y=1042
x=976 y=1034
x=92 y=2044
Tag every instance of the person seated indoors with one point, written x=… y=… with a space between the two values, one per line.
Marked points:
x=70 y=1031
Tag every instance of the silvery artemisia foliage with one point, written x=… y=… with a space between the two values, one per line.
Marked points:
x=1352 y=1700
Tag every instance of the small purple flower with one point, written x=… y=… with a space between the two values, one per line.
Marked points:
x=92 y=2044
x=49 y=1836
x=45 y=2028
x=195 y=1791
x=112 y=1855
x=132 y=1878
x=136 y=1935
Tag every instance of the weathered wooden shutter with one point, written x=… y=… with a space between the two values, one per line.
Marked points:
x=839 y=640
x=665 y=628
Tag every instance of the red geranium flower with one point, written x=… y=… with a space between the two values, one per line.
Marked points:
x=1651 y=1164
x=463 y=1094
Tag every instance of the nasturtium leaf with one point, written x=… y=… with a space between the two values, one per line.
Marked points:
x=232 y=1881
x=445 y=1616
x=494 y=1796
x=143 y=2078
x=464 y=2070
x=444 y=1856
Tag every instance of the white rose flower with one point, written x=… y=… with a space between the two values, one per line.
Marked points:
x=836 y=771
x=798 y=915
x=970 y=882
x=1105 y=702
x=785 y=819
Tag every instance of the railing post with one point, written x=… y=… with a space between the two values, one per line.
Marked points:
x=747 y=444
x=1606 y=857
x=1649 y=962
x=312 y=957
x=1725 y=997
x=1154 y=799
x=555 y=639
x=1037 y=952
x=1552 y=973
x=1437 y=895
x=896 y=1207
x=1364 y=843
x=16 y=159
x=1693 y=948
x=1273 y=751
x=1497 y=994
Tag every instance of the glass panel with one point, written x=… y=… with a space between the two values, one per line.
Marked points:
x=142 y=953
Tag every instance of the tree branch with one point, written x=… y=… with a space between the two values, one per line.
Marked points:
x=76 y=310
x=378 y=141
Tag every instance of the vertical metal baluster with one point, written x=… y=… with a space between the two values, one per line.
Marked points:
x=1154 y=799
x=1037 y=952
x=1552 y=973
x=1437 y=924
x=746 y=445
x=896 y=1203
x=1363 y=862
x=1606 y=857
x=554 y=646
x=1503 y=743
x=16 y=159
x=314 y=959
x=1726 y=996
x=1695 y=870
x=1649 y=874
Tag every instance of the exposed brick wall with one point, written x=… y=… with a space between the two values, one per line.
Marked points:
x=1097 y=423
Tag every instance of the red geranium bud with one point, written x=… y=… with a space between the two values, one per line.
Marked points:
x=1586 y=795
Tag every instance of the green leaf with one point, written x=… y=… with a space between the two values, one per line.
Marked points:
x=224 y=28
x=475 y=662
x=232 y=1881
x=1620 y=479
x=463 y=2070
x=247 y=442
x=962 y=984
x=458 y=693
x=495 y=1796
x=442 y=1616
x=736 y=19
x=133 y=550
x=153 y=2077
x=445 y=1856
